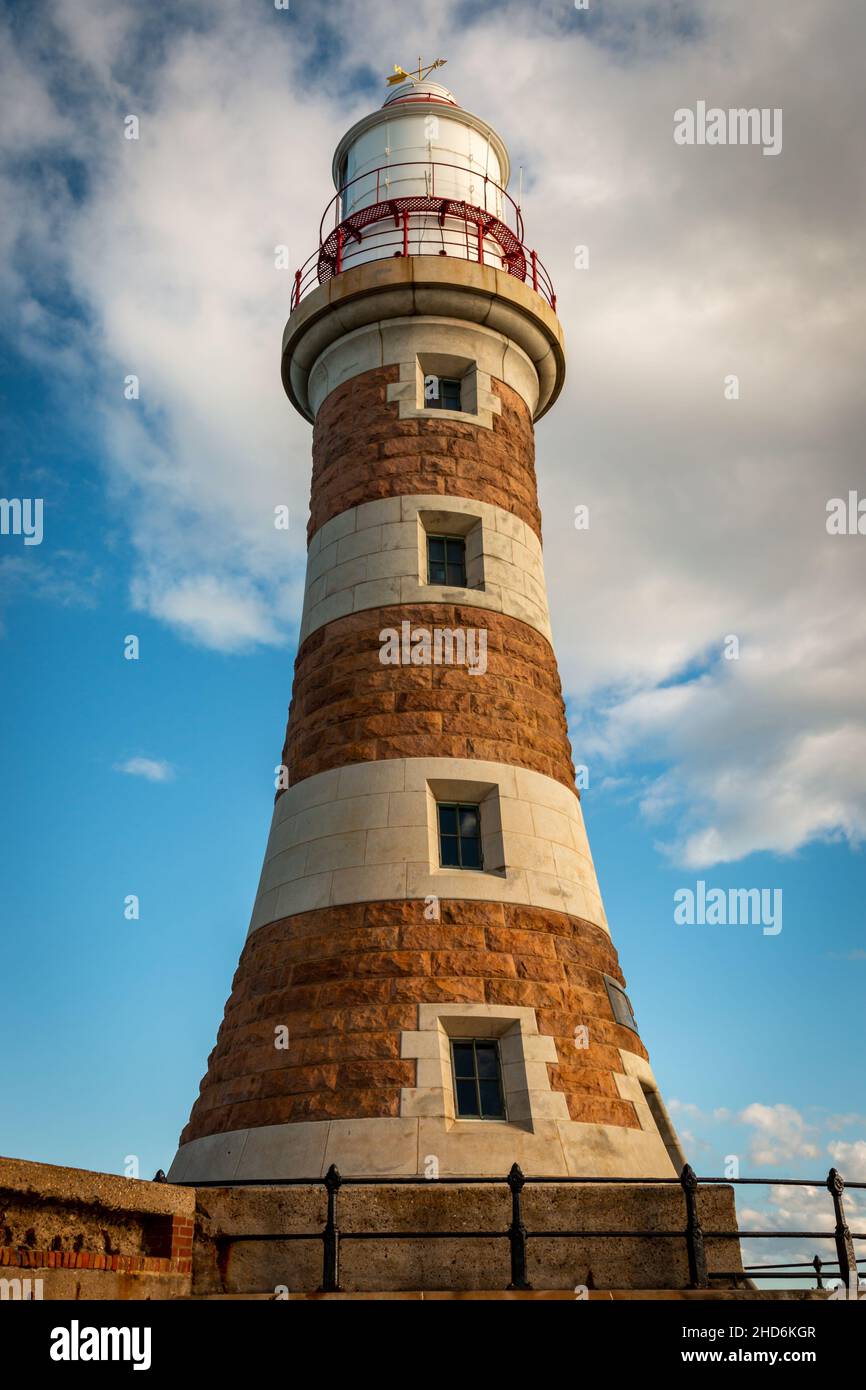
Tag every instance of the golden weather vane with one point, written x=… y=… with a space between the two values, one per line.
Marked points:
x=400 y=74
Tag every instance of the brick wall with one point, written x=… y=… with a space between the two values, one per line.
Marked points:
x=95 y=1235
x=349 y=708
x=346 y=980
x=363 y=450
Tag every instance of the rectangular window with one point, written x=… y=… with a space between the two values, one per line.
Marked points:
x=446 y=561
x=477 y=1079
x=621 y=1004
x=444 y=393
x=459 y=836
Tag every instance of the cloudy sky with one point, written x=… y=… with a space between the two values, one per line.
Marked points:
x=155 y=258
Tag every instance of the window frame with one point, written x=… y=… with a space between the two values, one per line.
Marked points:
x=439 y=402
x=615 y=992
x=459 y=806
x=452 y=540
x=493 y=1044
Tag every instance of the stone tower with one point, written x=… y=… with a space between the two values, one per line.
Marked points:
x=428 y=973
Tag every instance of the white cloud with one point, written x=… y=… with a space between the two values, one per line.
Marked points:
x=151 y=769
x=850 y=1157
x=228 y=616
x=781 y=1134
x=793 y=1209
x=707 y=516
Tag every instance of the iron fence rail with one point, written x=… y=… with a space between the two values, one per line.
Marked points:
x=386 y=222
x=517 y=1234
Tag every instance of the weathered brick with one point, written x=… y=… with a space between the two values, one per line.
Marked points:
x=334 y=722
x=362 y=450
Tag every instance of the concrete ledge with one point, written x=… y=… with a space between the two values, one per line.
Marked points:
x=93 y=1235
x=457 y=1266
x=432 y=286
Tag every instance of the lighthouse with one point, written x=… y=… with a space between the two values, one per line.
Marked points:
x=429 y=983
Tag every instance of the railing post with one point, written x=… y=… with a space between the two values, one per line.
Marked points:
x=297 y=295
x=339 y=250
x=698 y=1278
x=331 y=1235
x=480 y=243
x=818 y=1266
x=845 y=1252
x=534 y=258
x=405 y=231
x=517 y=1231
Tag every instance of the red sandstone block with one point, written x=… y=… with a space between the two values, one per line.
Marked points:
x=376 y=1074
x=476 y=963
x=524 y=992
x=369 y=990
x=430 y=990
x=439 y=937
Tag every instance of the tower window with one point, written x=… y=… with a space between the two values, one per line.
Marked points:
x=443 y=393
x=446 y=560
x=477 y=1079
x=621 y=1004
x=459 y=836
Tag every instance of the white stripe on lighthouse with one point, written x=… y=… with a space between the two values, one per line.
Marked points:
x=375 y=555
x=368 y=832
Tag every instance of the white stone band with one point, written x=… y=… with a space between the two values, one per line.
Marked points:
x=368 y=833
x=400 y=342
x=375 y=555
x=546 y=1146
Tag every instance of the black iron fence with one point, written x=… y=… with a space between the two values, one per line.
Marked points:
x=692 y=1233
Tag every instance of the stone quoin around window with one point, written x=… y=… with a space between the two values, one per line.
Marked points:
x=461 y=531
x=483 y=798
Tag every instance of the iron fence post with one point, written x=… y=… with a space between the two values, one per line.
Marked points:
x=698 y=1278
x=845 y=1252
x=331 y=1234
x=818 y=1265
x=517 y=1231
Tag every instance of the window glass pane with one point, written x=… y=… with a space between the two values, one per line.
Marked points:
x=437 y=573
x=487 y=1060
x=464 y=1063
x=456 y=576
x=455 y=551
x=470 y=851
x=491 y=1101
x=449 y=853
x=448 y=819
x=467 y=1100
x=468 y=820
x=622 y=1010
x=436 y=548
x=449 y=394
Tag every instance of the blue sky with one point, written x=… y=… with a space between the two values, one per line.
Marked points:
x=157 y=259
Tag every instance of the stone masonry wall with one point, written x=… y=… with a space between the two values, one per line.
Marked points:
x=347 y=707
x=346 y=980
x=363 y=450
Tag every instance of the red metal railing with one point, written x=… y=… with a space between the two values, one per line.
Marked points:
x=429 y=223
